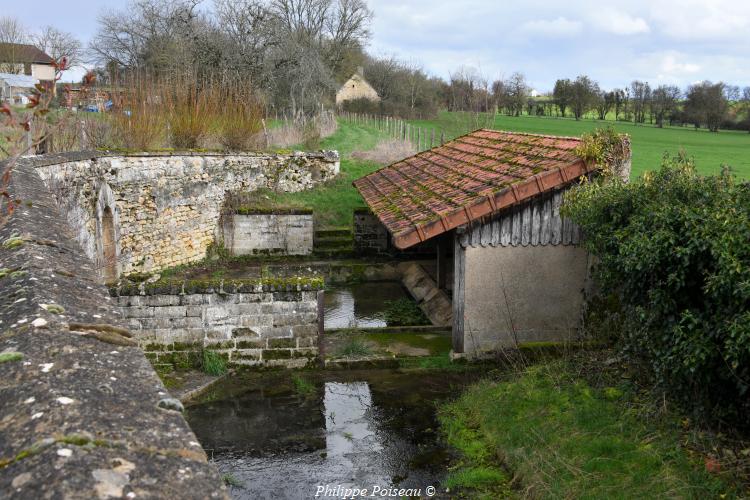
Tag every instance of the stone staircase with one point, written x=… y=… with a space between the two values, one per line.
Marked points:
x=434 y=302
x=333 y=242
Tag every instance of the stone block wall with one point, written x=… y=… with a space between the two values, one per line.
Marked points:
x=165 y=209
x=286 y=233
x=248 y=322
x=370 y=235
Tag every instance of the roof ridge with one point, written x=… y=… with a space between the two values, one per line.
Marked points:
x=546 y=136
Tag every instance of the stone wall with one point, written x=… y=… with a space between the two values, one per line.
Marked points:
x=83 y=413
x=165 y=209
x=249 y=322
x=370 y=235
x=285 y=233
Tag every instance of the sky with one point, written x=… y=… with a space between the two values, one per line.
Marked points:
x=614 y=42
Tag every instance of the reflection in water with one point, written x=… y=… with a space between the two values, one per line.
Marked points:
x=360 y=305
x=376 y=432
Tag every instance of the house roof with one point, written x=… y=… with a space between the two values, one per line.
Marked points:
x=466 y=179
x=23 y=53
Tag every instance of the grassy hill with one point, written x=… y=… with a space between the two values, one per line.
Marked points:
x=711 y=150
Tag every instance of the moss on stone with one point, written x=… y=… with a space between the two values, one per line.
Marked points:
x=213 y=285
x=270 y=354
x=13 y=242
x=281 y=343
x=7 y=357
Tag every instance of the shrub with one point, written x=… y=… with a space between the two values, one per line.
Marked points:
x=138 y=116
x=190 y=110
x=674 y=248
x=404 y=312
x=239 y=120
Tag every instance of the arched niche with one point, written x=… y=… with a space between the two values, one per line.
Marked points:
x=108 y=234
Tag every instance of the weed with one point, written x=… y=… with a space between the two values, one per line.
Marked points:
x=354 y=348
x=303 y=386
x=230 y=480
x=213 y=363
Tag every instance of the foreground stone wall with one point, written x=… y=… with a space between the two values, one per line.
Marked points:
x=248 y=322
x=165 y=209
x=289 y=233
x=82 y=412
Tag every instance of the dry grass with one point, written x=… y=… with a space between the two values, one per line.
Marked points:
x=304 y=132
x=386 y=152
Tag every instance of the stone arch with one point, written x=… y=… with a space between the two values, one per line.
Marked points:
x=107 y=234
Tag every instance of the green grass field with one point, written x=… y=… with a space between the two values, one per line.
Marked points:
x=710 y=150
x=333 y=202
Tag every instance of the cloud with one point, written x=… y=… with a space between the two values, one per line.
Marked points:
x=708 y=20
x=559 y=27
x=618 y=23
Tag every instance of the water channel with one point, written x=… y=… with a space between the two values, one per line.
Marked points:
x=283 y=435
x=361 y=305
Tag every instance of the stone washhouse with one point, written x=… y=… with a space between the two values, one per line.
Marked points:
x=490 y=202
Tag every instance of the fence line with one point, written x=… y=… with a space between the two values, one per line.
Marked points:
x=422 y=138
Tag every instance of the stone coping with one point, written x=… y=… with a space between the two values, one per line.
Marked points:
x=70 y=156
x=82 y=412
x=218 y=286
x=273 y=211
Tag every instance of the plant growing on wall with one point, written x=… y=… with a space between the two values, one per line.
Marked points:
x=605 y=148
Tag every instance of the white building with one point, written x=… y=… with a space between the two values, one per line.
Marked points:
x=16 y=89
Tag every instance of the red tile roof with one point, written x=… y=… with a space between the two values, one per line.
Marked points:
x=465 y=179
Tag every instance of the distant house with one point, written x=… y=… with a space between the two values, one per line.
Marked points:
x=508 y=262
x=356 y=87
x=16 y=89
x=23 y=59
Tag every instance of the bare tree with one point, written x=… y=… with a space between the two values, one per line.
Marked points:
x=58 y=44
x=12 y=31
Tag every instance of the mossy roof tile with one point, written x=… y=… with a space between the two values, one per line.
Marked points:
x=466 y=179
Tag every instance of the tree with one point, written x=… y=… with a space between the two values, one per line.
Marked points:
x=11 y=32
x=706 y=104
x=58 y=44
x=583 y=94
x=517 y=93
x=745 y=107
x=619 y=101
x=664 y=103
x=562 y=94
x=603 y=103
x=640 y=93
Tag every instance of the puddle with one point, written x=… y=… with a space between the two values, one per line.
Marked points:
x=355 y=429
x=362 y=305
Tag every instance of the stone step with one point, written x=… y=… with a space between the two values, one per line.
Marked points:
x=334 y=244
x=343 y=253
x=331 y=232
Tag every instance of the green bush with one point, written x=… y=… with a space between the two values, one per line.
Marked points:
x=404 y=312
x=674 y=248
